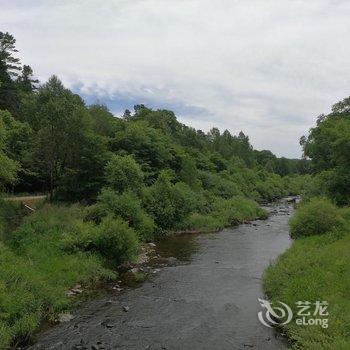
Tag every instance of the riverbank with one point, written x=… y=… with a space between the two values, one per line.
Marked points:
x=316 y=268
x=54 y=254
x=206 y=299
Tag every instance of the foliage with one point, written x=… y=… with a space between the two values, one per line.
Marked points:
x=53 y=142
x=328 y=146
x=315 y=217
x=127 y=206
x=112 y=238
x=35 y=272
x=225 y=212
x=123 y=173
x=169 y=204
x=149 y=146
x=9 y=167
x=9 y=67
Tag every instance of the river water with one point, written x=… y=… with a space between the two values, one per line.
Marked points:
x=208 y=300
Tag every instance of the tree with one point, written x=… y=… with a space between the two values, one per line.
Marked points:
x=342 y=106
x=55 y=108
x=9 y=68
x=8 y=167
x=69 y=156
x=328 y=147
x=25 y=81
x=82 y=175
x=127 y=114
x=104 y=122
x=167 y=203
x=149 y=146
x=123 y=173
x=18 y=142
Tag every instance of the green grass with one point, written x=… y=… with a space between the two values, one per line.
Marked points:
x=315 y=217
x=224 y=213
x=316 y=268
x=36 y=269
x=32 y=287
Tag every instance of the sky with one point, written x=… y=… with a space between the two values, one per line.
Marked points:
x=266 y=67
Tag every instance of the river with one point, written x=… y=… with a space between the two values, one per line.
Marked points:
x=208 y=300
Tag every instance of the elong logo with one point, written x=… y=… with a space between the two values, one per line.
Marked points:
x=282 y=314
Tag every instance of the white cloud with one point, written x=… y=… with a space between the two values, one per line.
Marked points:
x=266 y=67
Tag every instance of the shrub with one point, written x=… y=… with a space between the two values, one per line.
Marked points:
x=204 y=223
x=235 y=210
x=317 y=216
x=124 y=173
x=296 y=184
x=167 y=203
x=113 y=239
x=220 y=184
x=126 y=206
x=117 y=240
x=225 y=212
x=272 y=187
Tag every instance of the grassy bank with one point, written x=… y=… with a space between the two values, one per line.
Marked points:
x=52 y=250
x=225 y=213
x=316 y=267
x=44 y=254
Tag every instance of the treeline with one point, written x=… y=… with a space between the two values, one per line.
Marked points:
x=52 y=142
x=328 y=146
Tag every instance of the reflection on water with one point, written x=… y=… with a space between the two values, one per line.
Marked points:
x=180 y=246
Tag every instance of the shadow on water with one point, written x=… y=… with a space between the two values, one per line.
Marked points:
x=180 y=246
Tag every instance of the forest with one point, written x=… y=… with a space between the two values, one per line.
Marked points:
x=113 y=183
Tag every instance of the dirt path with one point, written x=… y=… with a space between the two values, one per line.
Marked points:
x=31 y=201
x=210 y=303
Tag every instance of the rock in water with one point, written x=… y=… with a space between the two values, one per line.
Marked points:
x=65 y=317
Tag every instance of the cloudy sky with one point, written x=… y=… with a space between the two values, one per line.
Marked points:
x=267 y=67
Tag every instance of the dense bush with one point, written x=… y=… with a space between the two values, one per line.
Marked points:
x=238 y=209
x=169 y=204
x=123 y=173
x=225 y=212
x=116 y=240
x=112 y=238
x=126 y=206
x=317 y=216
x=203 y=223
x=220 y=184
